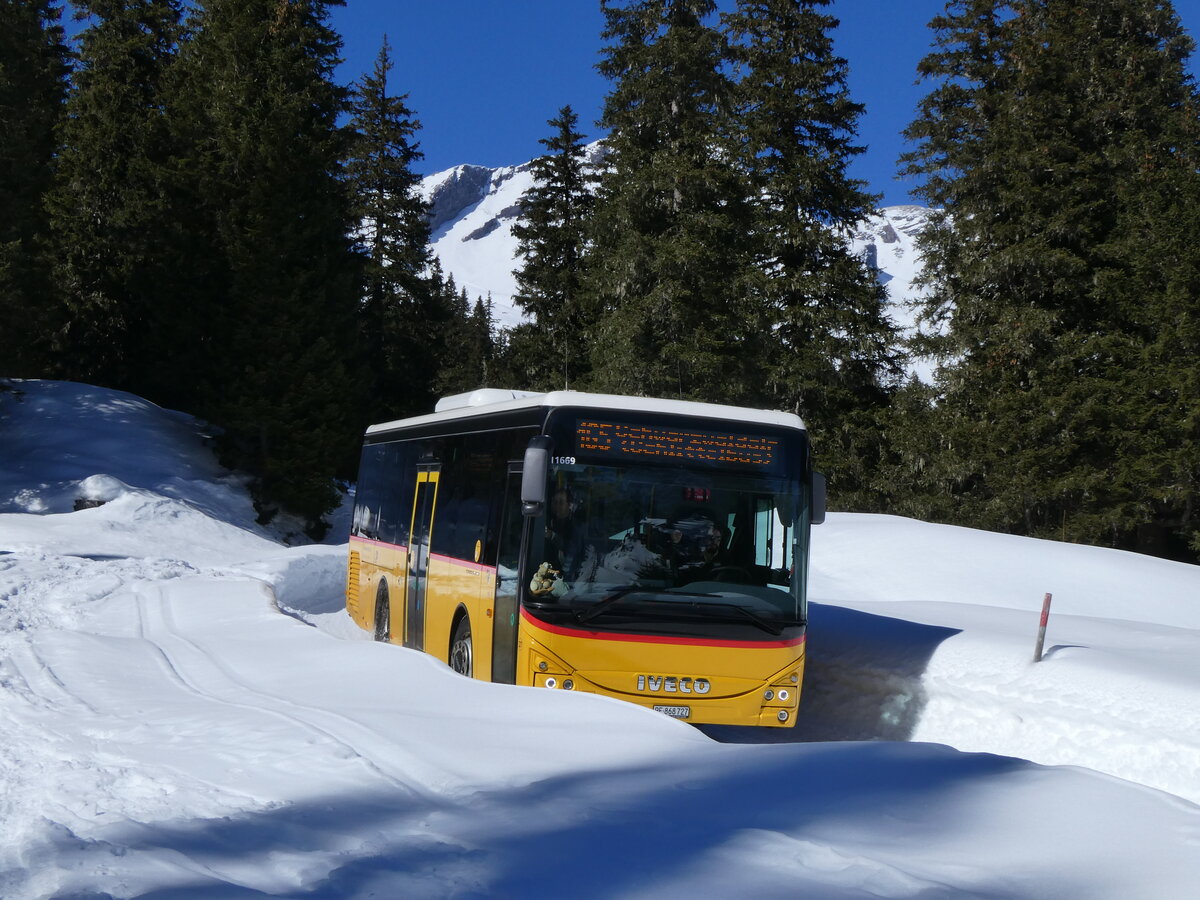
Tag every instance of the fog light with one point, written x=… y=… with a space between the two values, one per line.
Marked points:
x=783 y=715
x=769 y=695
x=568 y=684
x=783 y=695
x=551 y=682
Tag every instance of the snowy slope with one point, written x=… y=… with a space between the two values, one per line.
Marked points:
x=473 y=209
x=189 y=713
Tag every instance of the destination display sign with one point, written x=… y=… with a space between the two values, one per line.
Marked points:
x=597 y=439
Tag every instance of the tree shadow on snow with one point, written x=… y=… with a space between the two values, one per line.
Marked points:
x=862 y=681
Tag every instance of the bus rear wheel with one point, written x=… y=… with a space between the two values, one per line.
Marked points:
x=461 y=657
x=383 y=613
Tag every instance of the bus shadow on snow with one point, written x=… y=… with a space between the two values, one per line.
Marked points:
x=862 y=680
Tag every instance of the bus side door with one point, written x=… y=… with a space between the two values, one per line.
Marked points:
x=424 y=505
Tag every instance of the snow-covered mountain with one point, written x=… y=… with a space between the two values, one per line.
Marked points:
x=473 y=209
x=888 y=241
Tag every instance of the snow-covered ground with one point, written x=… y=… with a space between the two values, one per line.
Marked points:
x=188 y=712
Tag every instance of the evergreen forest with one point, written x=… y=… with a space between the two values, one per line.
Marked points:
x=194 y=209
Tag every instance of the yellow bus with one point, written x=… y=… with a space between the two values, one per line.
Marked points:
x=654 y=551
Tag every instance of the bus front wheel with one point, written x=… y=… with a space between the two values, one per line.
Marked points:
x=383 y=616
x=460 y=648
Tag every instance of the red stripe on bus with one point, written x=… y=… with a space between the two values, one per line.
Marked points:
x=656 y=639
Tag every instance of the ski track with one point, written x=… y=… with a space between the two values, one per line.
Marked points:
x=203 y=674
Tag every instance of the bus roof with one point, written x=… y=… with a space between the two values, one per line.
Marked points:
x=489 y=401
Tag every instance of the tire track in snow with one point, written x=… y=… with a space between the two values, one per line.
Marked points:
x=202 y=674
x=35 y=681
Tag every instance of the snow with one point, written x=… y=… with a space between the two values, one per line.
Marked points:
x=888 y=241
x=472 y=231
x=188 y=712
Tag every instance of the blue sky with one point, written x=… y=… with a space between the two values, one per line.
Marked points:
x=483 y=76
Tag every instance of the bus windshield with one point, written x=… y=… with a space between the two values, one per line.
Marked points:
x=645 y=524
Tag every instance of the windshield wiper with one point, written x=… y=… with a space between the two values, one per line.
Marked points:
x=605 y=602
x=616 y=596
x=753 y=617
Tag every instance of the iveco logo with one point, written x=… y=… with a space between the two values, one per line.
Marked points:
x=669 y=684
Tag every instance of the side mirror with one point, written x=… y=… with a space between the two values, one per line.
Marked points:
x=533 y=475
x=818 y=498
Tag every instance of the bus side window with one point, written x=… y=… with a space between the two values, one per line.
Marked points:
x=506 y=449
x=388 y=501
x=368 y=494
x=479 y=491
x=383 y=495
x=406 y=487
x=513 y=521
x=462 y=505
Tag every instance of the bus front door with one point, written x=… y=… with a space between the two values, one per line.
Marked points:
x=424 y=504
x=508 y=558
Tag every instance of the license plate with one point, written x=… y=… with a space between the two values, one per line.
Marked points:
x=676 y=712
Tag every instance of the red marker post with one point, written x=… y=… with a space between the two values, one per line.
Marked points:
x=1041 y=641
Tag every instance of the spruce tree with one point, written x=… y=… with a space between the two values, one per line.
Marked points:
x=1044 y=142
x=108 y=204
x=33 y=87
x=275 y=293
x=400 y=293
x=1162 y=288
x=552 y=242
x=470 y=335
x=827 y=347
x=672 y=221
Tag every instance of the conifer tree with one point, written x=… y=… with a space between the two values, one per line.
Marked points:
x=552 y=241
x=33 y=87
x=831 y=354
x=482 y=341
x=1162 y=288
x=400 y=293
x=470 y=334
x=1044 y=141
x=108 y=205
x=274 y=291
x=672 y=217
